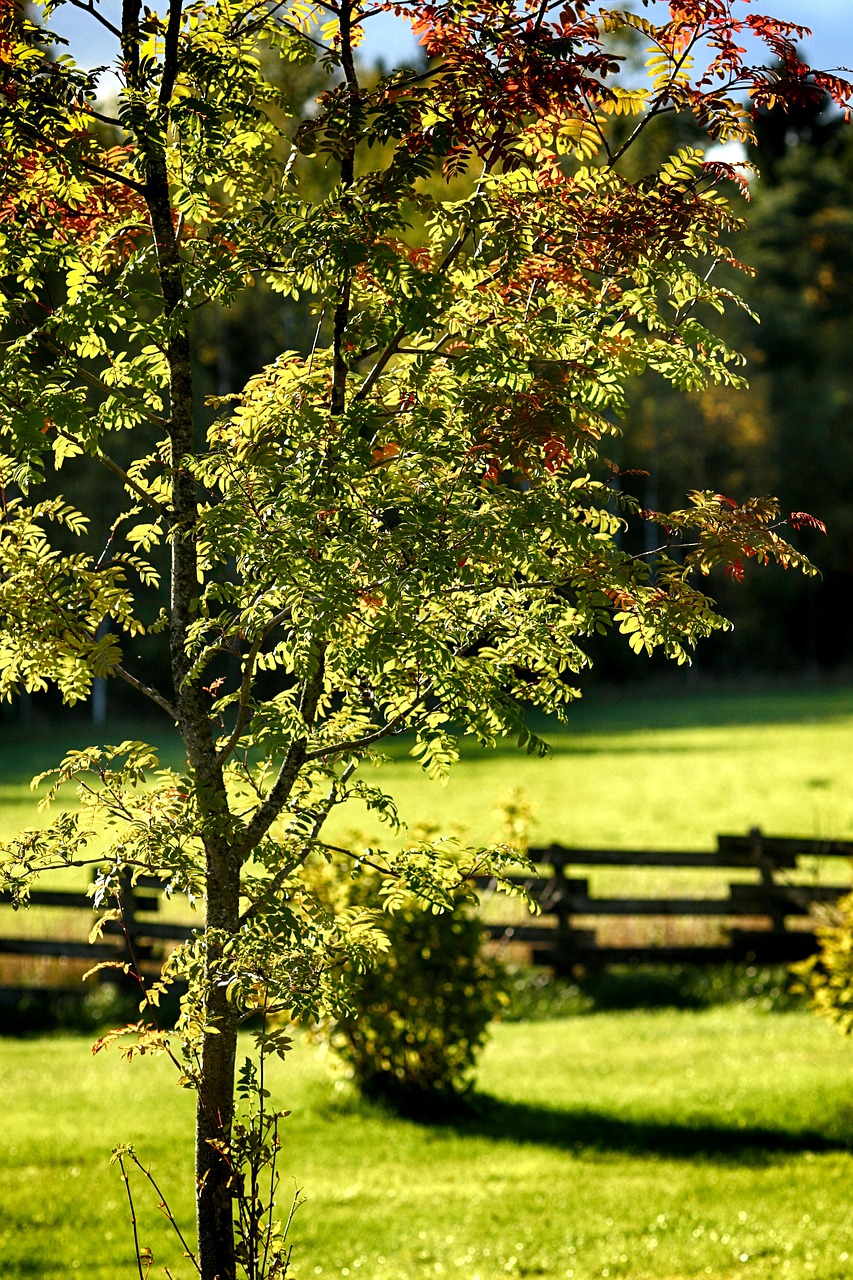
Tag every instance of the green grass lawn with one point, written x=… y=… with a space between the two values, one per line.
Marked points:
x=645 y=1145
x=664 y=1145
x=644 y=771
x=656 y=773
x=648 y=770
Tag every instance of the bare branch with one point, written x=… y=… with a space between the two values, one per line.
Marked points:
x=99 y=17
x=266 y=813
x=147 y=690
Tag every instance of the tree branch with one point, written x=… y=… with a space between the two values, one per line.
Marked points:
x=271 y=887
x=103 y=172
x=266 y=814
x=243 y=713
x=361 y=744
x=340 y=366
x=146 y=497
x=170 y=58
x=99 y=17
x=394 y=345
x=148 y=691
x=657 y=109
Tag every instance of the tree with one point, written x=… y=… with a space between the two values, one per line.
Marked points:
x=411 y=528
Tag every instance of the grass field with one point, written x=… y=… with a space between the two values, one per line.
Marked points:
x=641 y=771
x=649 y=1146
x=645 y=770
x=652 y=772
x=660 y=1146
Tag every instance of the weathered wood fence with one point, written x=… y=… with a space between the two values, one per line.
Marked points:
x=136 y=939
x=756 y=916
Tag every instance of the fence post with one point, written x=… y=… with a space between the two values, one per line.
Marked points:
x=562 y=945
x=766 y=867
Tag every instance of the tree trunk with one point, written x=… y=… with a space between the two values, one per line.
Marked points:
x=215 y=1105
x=215 y=1101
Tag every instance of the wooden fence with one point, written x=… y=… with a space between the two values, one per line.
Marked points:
x=756 y=916
x=139 y=938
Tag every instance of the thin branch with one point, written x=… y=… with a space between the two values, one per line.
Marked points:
x=130 y=39
x=164 y=1205
x=340 y=366
x=378 y=368
x=99 y=17
x=360 y=744
x=266 y=813
x=146 y=497
x=110 y=120
x=132 y=1217
x=103 y=172
x=394 y=345
x=321 y=813
x=243 y=714
x=598 y=129
x=291 y=26
x=147 y=690
x=131 y=484
x=60 y=349
x=658 y=108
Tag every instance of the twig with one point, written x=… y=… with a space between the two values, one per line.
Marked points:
x=148 y=691
x=164 y=1206
x=243 y=714
x=267 y=812
x=99 y=17
x=132 y=1216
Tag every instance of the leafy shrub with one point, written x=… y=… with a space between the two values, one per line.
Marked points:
x=827 y=977
x=418 y=1017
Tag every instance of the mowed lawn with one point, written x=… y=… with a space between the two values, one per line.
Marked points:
x=664 y=1145
x=657 y=1146
x=659 y=772
x=639 y=771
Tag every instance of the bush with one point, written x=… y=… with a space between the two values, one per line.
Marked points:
x=418 y=1017
x=827 y=977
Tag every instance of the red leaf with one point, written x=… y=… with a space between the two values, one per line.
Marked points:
x=802 y=520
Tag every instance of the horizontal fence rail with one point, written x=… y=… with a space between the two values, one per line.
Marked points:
x=136 y=939
x=562 y=937
x=564 y=934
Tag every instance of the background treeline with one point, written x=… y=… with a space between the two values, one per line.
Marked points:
x=790 y=434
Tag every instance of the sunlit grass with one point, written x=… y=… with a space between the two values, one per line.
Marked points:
x=643 y=771
x=652 y=1146
x=657 y=773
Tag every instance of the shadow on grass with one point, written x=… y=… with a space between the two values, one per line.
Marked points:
x=580 y=1131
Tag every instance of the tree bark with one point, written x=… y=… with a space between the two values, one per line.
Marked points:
x=215 y=1097
x=215 y=1100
